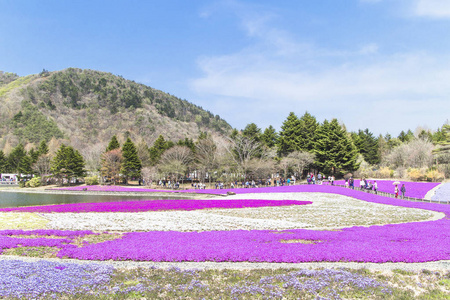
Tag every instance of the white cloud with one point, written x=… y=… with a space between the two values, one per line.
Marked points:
x=432 y=8
x=276 y=74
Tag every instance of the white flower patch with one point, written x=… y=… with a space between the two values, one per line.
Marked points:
x=327 y=212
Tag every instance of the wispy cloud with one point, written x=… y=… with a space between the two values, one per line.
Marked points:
x=432 y=8
x=277 y=74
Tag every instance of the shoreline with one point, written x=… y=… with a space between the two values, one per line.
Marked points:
x=188 y=195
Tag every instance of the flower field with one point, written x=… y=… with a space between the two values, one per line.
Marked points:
x=408 y=232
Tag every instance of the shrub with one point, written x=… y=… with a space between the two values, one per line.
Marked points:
x=92 y=180
x=34 y=182
x=385 y=172
x=434 y=175
x=416 y=174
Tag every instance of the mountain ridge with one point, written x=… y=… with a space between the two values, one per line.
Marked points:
x=86 y=107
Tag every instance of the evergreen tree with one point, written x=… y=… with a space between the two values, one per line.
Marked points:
x=234 y=133
x=158 y=148
x=3 y=162
x=131 y=165
x=113 y=144
x=24 y=167
x=307 y=130
x=367 y=145
x=269 y=137
x=68 y=162
x=34 y=155
x=334 y=149
x=288 y=140
x=252 y=132
x=15 y=157
x=406 y=137
x=43 y=148
x=188 y=143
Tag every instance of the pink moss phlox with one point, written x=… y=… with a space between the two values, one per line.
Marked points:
x=154 y=205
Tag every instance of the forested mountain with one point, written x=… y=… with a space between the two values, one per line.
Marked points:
x=86 y=107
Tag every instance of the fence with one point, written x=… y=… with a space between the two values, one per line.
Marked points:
x=9 y=183
x=390 y=195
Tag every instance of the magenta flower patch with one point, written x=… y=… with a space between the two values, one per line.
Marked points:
x=410 y=242
x=154 y=205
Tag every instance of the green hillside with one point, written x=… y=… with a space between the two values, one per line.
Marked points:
x=87 y=107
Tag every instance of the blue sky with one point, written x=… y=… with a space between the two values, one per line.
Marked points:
x=377 y=64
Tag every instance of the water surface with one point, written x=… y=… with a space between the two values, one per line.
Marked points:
x=14 y=199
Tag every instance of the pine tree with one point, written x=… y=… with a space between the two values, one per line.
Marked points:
x=289 y=135
x=252 y=131
x=14 y=158
x=334 y=149
x=68 y=162
x=158 y=148
x=113 y=144
x=43 y=148
x=269 y=137
x=131 y=165
x=24 y=167
x=34 y=155
x=367 y=145
x=3 y=162
x=307 y=131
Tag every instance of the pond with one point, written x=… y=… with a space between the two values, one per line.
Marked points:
x=15 y=199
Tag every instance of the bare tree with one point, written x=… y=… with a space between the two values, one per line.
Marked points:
x=175 y=161
x=206 y=157
x=42 y=166
x=92 y=156
x=149 y=175
x=241 y=150
x=111 y=164
x=300 y=160
x=415 y=154
x=143 y=153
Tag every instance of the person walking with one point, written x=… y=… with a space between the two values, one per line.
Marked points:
x=396 y=191
x=375 y=187
x=403 y=190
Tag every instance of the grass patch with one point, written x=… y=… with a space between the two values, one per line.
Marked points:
x=97 y=238
x=41 y=252
x=14 y=220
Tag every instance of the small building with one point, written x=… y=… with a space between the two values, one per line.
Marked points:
x=6 y=178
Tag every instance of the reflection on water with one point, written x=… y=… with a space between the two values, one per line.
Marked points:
x=11 y=199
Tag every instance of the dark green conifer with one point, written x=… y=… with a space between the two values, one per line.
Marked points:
x=367 y=145
x=43 y=148
x=269 y=137
x=113 y=144
x=131 y=165
x=307 y=131
x=67 y=162
x=14 y=158
x=3 y=162
x=334 y=149
x=252 y=132
x=288 y=140
x=158 y=148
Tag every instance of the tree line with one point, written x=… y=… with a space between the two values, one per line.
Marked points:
x=302 y=144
